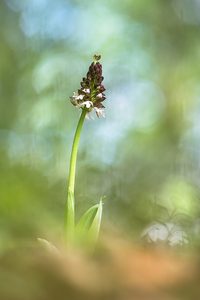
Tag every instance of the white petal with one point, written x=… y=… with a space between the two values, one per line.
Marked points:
x=80 y=97
x=89 y=116
x=100 y=112
x=87 y=104
x=100 y=95
x=86 y=91
x=73 y=101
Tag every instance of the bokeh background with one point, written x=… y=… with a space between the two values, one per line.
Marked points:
x=144 y=157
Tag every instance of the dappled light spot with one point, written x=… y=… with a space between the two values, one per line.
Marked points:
x=165 y=233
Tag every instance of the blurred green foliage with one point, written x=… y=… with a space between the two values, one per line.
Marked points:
x=144 y=157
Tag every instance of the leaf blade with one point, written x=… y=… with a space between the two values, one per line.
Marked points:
x=87 y=229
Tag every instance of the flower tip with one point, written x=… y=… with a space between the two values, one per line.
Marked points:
x=96 y=58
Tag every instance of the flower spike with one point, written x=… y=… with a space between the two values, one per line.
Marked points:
x=91 y=94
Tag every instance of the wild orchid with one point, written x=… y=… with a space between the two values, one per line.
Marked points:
x=88 y=98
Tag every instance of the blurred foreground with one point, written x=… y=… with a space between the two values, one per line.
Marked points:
x=117 y=270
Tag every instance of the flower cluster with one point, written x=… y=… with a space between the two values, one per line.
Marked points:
x=91 y=94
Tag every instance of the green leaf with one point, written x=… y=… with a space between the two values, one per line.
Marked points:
x=95 y=226
x=87 y=229
x=87 y=219
x=48 y=246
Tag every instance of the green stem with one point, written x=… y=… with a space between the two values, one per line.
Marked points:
x=69 y=208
